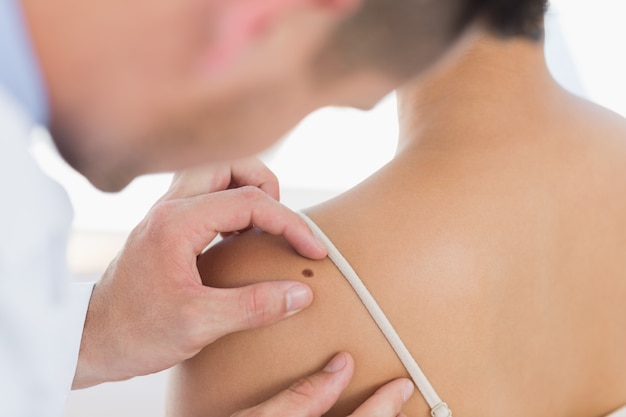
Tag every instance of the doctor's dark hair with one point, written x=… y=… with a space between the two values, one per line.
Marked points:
x=401 y=37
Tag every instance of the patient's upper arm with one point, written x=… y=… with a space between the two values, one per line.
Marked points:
x=244 y=369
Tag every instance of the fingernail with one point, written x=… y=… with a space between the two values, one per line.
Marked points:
x=337 y=364
x=298 y=297
x=408 y=390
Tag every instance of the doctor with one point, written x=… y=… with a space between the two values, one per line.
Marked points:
x=131 y=87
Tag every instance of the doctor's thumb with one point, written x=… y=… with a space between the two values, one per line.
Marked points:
x=258 y=305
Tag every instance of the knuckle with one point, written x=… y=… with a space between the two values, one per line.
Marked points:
x=383 y=406
x=220 y=180
x=161 y=214
x=304 y=396
x=255 y=305
x=262 y=173
x=159 y=225
x=298 y=399
x=223 y=183
x=303 y=390
x=250 y=193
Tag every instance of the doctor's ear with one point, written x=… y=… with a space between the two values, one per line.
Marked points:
x=242 y=22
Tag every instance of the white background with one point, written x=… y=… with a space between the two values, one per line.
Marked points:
x=330 y=151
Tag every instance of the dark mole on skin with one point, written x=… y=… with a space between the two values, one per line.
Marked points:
x=308 y=273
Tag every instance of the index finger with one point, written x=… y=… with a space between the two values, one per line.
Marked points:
x=253 y=172
x=202 y=217
x=310 y=397
x=388 y=400
x=206 y=179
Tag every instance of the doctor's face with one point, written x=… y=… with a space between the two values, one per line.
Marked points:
x=140 y=86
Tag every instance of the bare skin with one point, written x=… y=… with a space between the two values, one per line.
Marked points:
x=493 y=241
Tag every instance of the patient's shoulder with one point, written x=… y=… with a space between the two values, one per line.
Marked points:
x=244 y=369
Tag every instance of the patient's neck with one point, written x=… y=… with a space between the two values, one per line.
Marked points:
x=493 y=79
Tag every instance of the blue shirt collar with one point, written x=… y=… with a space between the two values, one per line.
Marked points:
x=19 y=72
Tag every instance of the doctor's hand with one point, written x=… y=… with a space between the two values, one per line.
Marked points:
x=150 y=310
x=315 y=395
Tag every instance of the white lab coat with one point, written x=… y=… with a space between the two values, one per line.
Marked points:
x=41 y=314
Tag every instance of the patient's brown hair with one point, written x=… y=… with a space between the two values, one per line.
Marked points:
x=401 y=36
x=514 y=17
